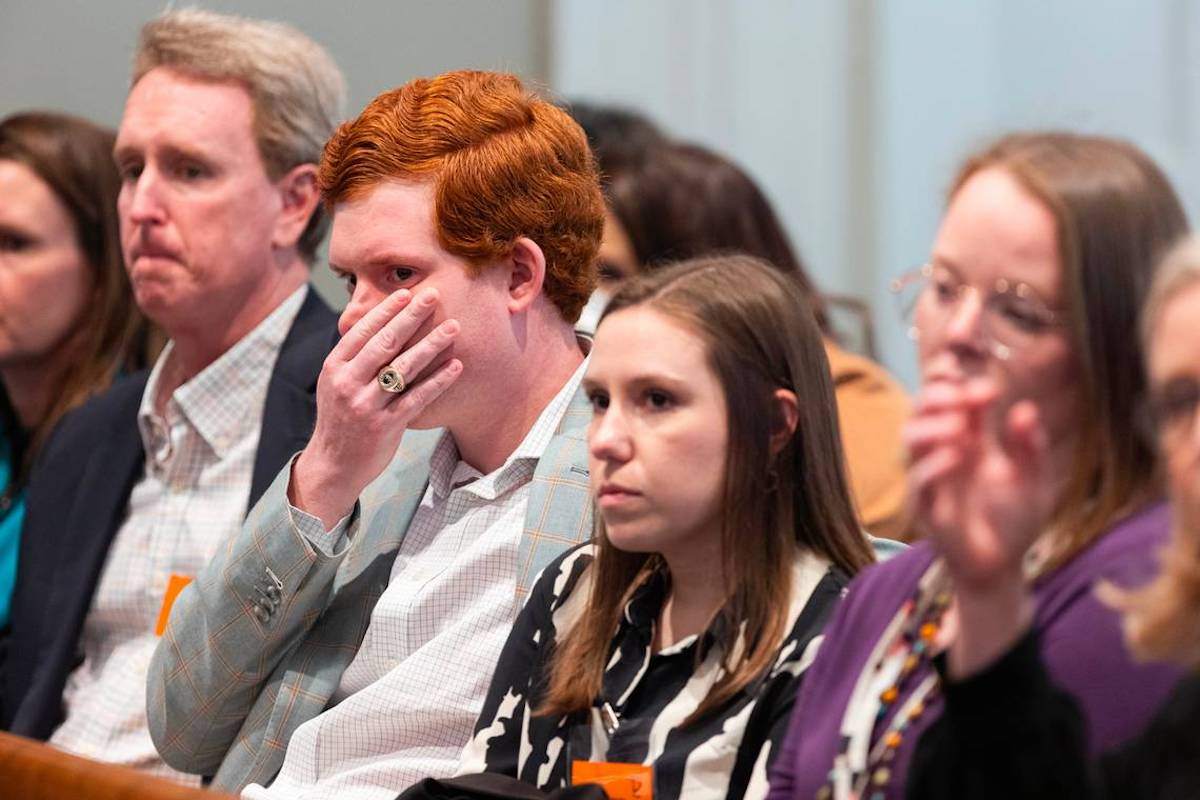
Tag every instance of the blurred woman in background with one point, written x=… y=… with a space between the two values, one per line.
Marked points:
x=1008 y=731
x=1026 y=428
x=68 y=324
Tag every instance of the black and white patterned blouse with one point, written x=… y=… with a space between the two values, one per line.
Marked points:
x=724 y=755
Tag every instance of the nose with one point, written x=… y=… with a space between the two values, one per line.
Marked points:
x=963 y=327
x=144 y=202
x=608 y=435
x=361 y=301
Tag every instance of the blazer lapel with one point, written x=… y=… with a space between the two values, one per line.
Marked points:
x=97 y=512
x=291 y=407
x=388 y=506
x=559 y=514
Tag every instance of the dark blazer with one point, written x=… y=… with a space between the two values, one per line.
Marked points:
x=76 y=501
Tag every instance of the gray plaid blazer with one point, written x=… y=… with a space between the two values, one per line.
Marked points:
x=258 y=643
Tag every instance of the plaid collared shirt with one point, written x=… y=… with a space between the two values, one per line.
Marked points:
x=407 y=703
x=199 y=463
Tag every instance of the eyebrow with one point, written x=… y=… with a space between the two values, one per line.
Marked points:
x=945 y=263
x=644 y=379
x=392 y=258
x=171 y=151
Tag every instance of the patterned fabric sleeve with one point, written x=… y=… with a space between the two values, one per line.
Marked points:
x=223 y=641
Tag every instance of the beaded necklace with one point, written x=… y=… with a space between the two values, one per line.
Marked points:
x=862 y=771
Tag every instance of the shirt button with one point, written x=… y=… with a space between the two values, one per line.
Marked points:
x=261 y=613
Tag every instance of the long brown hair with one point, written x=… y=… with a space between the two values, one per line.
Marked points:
x=74 y=158
x=774 y=504
x=1115 y=214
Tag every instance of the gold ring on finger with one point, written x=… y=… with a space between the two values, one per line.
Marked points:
x=390 y=380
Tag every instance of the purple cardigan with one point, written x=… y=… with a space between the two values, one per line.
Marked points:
x=1081 y=644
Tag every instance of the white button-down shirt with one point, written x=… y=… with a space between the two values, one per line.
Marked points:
x=199 y=465
x=408 y=702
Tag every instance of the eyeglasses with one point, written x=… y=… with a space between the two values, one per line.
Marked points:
x=1171 y=409
x=1013 y=315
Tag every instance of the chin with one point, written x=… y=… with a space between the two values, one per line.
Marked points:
x=632 y=538
x=155 y=303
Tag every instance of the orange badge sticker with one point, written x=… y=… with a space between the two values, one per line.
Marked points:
x=174 y=587
x=620 y=781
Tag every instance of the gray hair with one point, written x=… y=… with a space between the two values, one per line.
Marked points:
x=297 y=90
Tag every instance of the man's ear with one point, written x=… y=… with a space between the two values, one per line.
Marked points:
x=784 y=420
x=299 y=198
x=528 y=264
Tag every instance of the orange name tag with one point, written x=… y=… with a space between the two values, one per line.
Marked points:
x=174 y=587
x=620 y=781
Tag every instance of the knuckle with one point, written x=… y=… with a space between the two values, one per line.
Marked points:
x=340 y=384
x=387 y=340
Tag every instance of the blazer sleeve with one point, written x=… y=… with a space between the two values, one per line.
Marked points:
x=231 y=628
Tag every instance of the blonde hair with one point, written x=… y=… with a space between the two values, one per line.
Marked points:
x=1162 y=620
x=297 y=90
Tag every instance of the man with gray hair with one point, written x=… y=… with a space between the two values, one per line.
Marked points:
x=220 y=219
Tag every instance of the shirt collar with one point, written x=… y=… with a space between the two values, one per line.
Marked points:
x=448 y=472
x=644 y=607
x=216 y=401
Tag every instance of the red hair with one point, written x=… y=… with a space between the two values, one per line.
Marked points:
x=504 y=163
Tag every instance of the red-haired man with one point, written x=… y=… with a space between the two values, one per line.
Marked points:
x=343 y=643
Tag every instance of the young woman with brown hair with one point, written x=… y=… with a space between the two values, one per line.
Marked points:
x=1026 y=323
x=725 y=536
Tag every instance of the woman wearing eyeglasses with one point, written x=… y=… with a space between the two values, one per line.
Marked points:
x=1025 y=426
x=1010 y=700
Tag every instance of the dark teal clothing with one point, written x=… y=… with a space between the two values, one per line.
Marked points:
x=12 y=515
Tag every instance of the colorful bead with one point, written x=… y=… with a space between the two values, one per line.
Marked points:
x=928 y=631
x=893 y=739
x=882 y=776
x=889 y=695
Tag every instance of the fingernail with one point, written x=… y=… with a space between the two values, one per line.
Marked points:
x=450 y=327
x=428 y=298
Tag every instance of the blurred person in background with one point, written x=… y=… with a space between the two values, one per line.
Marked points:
x=681 y=201
x=1008 y=730
x=620 y=139
x=68 y=323
x=1026 y=325
x=220 y=220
